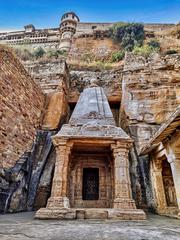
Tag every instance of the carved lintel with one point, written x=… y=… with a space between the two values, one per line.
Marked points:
x=122 y=146
x=59 y=140
x=125 y=144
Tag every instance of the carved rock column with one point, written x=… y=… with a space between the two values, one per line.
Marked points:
x=175 y=167
x=173 y=157
x=59 y=187
x=122 y=185
x=158 y=185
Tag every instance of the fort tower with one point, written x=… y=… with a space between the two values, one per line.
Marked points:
x=67 y=30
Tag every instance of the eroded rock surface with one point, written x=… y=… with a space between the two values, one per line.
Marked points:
x=150 y=93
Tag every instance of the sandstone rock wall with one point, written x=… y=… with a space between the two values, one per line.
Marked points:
x=150 y=93
x=109 y=80
x=50 y=75
x=89 y=49
x=53 y=78
x=21 y=106
x=63 y=87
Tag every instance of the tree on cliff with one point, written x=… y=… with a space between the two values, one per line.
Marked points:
x=128 y=35
x=39 y=52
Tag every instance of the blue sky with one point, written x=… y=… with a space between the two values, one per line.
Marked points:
x=14 y=14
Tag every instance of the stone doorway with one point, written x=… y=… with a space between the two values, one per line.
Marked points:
x=90 y=183
x=91 y=177
x=168 y=182
x=163 y=184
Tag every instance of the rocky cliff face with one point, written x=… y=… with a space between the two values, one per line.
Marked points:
x=110 y=80
x=90 y=49
x=150 y=93
x=141 y=94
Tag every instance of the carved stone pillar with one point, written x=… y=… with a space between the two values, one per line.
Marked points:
x=59 y=186
x=122 y=185
x=158 y=185
x=175 y=167
x=173 y=157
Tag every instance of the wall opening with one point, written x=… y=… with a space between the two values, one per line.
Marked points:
x=90 y=183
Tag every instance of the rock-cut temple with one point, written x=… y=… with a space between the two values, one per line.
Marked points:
x=91 y=178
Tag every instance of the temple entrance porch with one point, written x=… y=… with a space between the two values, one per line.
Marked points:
x=91 y=177
x=91 y=181
x=163 y=184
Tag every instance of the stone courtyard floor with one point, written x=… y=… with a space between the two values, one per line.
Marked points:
x=23 y=226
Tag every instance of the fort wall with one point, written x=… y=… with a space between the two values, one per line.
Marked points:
x=22 y=102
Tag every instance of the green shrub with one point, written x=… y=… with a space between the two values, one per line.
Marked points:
x=144 y=50
x=117 y=56
x=39 y=52
x=55 y=53
x=154 y=44
x=128 y=35
x=172 y=51
x=52 y=53
x=62 y=53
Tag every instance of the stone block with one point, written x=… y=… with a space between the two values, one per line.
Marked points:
x=80 y=214
x=96 y=213
x=56 y=213
x=136 y=214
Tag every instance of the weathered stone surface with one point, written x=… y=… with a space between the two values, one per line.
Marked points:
x=56 y=111
x=22 y=102
x=53 y=79
x=40 y=154
x=90 y=213
x=52 y=75
x=86 y=49
x=126 y=215
x=55 y=213
x=109 y=80
x=44 y=187
x=49 y=75
x=150 y=93
x=14 y=185
x=96 y=214
x=21 y=185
